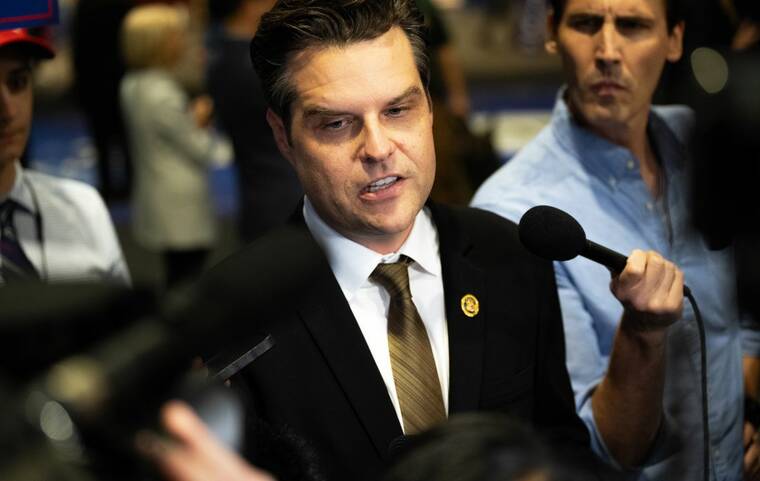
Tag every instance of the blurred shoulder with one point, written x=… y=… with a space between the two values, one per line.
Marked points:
x=530 y=178
x=67 y=193
x=679 y=118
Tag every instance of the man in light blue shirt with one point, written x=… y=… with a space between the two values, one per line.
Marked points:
x=619 y=167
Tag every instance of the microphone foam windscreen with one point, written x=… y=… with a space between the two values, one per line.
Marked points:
x=551 y=233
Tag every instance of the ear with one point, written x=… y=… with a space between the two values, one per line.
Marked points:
x=675 y=42
x=280 y=135
x=431 y=106
x=551 y=34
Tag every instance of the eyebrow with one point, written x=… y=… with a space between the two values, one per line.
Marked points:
x=596 y=15
x=25 y=68
x=635 y=18
x=317 y=111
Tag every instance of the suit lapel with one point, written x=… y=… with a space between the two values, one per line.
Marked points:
x=466 y=334
x=329 y=319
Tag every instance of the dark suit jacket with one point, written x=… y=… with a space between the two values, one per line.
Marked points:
x=314 y=373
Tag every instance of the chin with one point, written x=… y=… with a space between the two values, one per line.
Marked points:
x=392 y=224
x=609 y=114
x=9 y=159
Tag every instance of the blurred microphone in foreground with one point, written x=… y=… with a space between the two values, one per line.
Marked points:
x=115 y=357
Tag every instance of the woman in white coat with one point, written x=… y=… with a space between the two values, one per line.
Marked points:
x=171 y=145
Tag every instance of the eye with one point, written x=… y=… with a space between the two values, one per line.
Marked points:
x=19 y=81
x=335 y=125
x=396 y=111
x=631 y=25
x=586 y=23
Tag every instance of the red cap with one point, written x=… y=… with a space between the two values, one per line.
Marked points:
x=41 y=47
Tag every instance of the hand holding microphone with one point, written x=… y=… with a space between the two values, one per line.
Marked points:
x=651 y=291
x=650 y=287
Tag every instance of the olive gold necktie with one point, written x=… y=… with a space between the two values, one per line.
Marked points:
x=414 y=371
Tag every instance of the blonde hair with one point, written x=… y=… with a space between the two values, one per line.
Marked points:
x=147 y=31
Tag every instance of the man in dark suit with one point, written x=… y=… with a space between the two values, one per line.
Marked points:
x=342 y=358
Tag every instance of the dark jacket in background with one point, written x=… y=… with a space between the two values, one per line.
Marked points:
x=268 y=187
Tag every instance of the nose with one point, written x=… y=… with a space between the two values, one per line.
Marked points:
x=607 y=47
x=377 y=144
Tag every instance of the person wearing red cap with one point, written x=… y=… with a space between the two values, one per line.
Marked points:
x=51 y=229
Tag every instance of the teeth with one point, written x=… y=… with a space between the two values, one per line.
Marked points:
x=381 y=184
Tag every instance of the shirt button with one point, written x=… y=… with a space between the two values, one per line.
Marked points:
x=630 y=164
x=613 y=181
x=650 y=206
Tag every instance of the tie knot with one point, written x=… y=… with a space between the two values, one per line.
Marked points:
x=394 y=277
x=6 y=211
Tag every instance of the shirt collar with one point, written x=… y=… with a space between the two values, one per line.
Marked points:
x=352 y=263
x=609 y=160
x=20 y=193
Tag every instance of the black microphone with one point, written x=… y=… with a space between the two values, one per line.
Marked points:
x=555 y=235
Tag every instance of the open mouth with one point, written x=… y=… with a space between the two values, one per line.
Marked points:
x=381 y=184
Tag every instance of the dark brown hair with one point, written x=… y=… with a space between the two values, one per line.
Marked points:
x=673 y=9
x=296 y=25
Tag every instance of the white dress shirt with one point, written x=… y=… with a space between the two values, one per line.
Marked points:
x=77 y=241
x=352 y=265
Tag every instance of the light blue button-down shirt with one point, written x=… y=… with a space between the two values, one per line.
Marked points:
x=599 y=184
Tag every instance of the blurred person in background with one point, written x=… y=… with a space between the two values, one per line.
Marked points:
x=98 y=69
x=52 y=229
x=620 y=166
x=269 y=190
x=722 y=25
x=463 y=160
x=172 y=147
x=747 y=33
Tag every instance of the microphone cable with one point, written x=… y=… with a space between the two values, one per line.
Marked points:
x=703 y=383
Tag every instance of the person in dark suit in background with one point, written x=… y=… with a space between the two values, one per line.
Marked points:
x=268 y=187
x=411 y=311
x=98 y=70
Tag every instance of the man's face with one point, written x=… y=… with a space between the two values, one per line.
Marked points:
x=613 y=53
x=15 y=106
x=361 y=137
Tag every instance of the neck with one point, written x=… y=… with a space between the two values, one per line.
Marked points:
x=7 y=178
x=384 y=243
x=380 y=242
x=633 y=136
x=635 y=139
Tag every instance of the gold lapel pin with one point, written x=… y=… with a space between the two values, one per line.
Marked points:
x=470 y=305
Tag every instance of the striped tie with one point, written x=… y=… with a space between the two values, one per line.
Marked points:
x=15 y=265
x=414 y=371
